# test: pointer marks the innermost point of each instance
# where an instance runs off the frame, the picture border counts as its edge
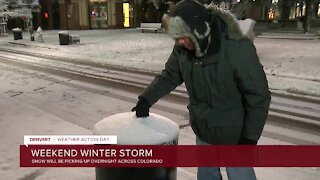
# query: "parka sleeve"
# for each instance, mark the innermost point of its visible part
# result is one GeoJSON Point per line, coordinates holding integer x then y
{"type": "Point", "coordinates": [253, 85]}
{"type": "Point", "coordinates": [167, 81]}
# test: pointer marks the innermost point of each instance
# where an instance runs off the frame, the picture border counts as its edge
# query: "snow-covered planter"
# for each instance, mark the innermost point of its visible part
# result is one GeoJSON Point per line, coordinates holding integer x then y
{"type": "Point", "coordinates": [17, 30]}
{"type": "Point", "coordinates": [130, 130]}
{"type": "Point", "coordinates": [64, 38]}
{"type": "Point", "coordinates": [17, 33]}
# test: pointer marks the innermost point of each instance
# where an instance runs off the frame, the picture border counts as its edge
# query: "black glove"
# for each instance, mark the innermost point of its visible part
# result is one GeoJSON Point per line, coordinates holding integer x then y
{"type": "Point", "coordinates": [142, 107]}
{"type": "Point", "coordinates": [245, 141]}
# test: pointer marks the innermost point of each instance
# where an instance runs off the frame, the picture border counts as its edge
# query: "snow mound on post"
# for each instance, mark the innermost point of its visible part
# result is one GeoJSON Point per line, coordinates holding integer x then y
{"type": "Point", "coordinates": [130, 130]}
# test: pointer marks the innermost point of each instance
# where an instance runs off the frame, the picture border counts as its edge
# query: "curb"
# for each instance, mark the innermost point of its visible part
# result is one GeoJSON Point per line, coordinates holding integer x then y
{"type": "Point", "coordinates": [293, 36]}
{"type": "Point", "coordinates": [289, 38]}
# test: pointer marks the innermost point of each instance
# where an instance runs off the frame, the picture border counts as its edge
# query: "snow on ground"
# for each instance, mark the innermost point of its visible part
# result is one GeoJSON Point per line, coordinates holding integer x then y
{"type": "Point", "coordinates": [27, 121]}
{"type": "Point", "coordinates": [284, 60]}
{"type": "Point", "coordinates": [72, 111]}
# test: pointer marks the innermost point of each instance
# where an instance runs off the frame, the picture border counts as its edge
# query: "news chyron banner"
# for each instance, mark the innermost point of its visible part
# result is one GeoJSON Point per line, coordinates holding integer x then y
{"type": "Point", "coordinates": [103, 151]}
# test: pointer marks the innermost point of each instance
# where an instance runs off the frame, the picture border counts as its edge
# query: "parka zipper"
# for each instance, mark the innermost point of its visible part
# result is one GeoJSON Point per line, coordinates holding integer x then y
{"type": "Point", "coordinates": [196, 65]}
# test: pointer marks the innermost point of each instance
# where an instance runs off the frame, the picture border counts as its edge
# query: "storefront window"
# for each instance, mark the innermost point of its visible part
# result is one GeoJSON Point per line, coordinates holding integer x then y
{"type": "Point", "coordinates": [99, 14]}
{"type": "Point", "coordinates": [293, 13]}
{"type": "Point", "coordinates": [273, 11]}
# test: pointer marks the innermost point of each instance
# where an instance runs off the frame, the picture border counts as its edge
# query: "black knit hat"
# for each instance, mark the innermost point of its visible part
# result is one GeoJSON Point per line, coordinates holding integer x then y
{"type": "Point", "coordinates": [190, 18]}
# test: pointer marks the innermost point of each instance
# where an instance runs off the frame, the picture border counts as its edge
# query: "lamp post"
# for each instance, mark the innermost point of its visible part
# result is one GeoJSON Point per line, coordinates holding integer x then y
{"type": "Point", "coordinates": [31, 5]}
{"type": "Point", "coordinates": [31, 29]}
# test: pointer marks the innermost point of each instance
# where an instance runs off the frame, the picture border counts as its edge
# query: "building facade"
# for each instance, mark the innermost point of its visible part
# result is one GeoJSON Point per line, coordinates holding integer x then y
{"type": "Point", "coordinates": [279, 10]}
{"type": "Point", "coordinates": [104, 14]}
{"type": "Point", "coordinates": [87, 14]}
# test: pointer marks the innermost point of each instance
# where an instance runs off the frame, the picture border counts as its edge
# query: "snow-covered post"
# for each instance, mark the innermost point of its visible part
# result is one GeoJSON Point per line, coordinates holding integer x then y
{"type": "Point", "coordinates": [39, 34]}
{"type": "Point", "coordinates": [130, 130]}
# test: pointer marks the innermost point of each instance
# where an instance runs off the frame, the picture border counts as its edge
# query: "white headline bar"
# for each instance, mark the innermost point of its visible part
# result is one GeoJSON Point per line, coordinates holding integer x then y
{"type": "Point", "coordinates": [68, 139]}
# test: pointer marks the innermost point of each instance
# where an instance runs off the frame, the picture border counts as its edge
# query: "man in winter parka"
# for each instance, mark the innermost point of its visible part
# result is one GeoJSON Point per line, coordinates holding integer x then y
{"type": "Point", "coordinates": [228, 91]}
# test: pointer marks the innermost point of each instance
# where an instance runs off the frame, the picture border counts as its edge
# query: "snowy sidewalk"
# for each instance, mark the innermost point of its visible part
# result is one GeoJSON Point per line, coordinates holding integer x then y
{"type": "Point", "coordinates": [18, 119]}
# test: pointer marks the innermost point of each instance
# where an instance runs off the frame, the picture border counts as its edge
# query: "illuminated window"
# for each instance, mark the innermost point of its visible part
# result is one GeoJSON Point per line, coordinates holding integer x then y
{"type": "Point", "coordinates": [270, 14]}
{"type": "Point", "coordinates": [126, 15]}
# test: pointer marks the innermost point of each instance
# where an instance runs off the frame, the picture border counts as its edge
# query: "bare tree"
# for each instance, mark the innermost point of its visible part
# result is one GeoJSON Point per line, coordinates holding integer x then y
{"type": "Point", "coordinates": [5, 13]}
{"type": "Point", "coordinates": [240, 10]}
{"type": "Point", "coordinates": [17, 8]}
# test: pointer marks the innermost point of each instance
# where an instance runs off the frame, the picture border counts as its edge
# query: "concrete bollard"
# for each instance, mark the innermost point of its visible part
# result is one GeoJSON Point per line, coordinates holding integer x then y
{"type": "Point", "coordinates": [130, 130]}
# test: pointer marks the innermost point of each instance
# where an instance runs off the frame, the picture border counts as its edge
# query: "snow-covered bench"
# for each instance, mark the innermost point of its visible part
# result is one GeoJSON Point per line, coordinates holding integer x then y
{"type": "Point", "coordinates": [150, 27]}
{"type": "Point", "coordinates": [3, 29]}
{"type": "Point", "coordinates": [73, 38]}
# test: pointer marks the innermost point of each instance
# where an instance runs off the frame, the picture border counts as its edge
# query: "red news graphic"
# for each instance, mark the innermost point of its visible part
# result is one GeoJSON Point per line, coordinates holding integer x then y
{"type": "Point", "coordinates": [169, 156]}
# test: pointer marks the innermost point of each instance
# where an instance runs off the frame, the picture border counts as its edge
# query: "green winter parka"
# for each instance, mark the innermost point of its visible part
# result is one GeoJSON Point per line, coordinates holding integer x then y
{"type": "Point", "coordinates": [228, 91]}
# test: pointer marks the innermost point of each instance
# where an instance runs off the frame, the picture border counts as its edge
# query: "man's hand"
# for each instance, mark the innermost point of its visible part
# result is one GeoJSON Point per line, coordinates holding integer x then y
{"type": "Point", "coordinates": [245, 141]}
{"type": "Point", "coordinates": [142, 107]}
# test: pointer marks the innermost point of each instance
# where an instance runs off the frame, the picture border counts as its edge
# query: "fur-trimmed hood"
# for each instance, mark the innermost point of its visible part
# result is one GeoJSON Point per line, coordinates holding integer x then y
{"type": "Point", "coordinates": [232, 29]}
{"type": "Point", "coordinates": [204, 25]}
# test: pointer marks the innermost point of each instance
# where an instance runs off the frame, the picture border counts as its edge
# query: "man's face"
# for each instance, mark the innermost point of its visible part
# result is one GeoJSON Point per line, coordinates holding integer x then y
{"type": "Point", "coordinates": [185, 42]}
